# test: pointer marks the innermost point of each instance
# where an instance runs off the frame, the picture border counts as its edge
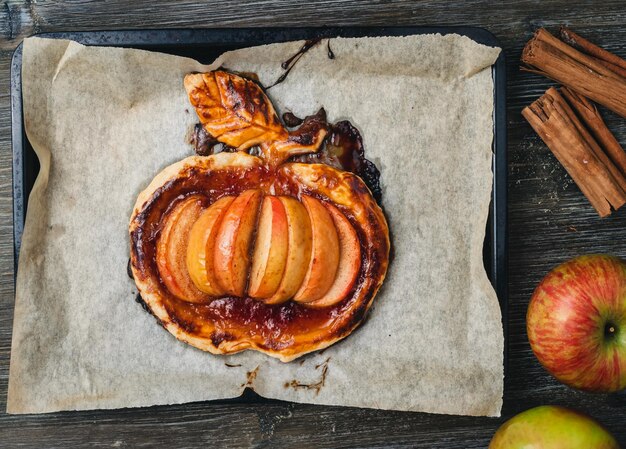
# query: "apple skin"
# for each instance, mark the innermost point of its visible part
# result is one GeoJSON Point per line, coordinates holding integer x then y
{"type": "Point", "coordinates": [552, 427]}
{"type": "Point", "coordinates": [576, 323]}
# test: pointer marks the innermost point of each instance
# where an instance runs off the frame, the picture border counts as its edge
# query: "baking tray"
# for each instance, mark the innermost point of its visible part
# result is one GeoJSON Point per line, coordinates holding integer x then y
{"type": "Point", "coordinates": [205, 45]}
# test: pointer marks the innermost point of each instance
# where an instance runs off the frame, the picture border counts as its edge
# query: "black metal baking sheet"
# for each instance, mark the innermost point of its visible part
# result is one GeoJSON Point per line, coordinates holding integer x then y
{"type": "Point", "coordinates": [205, 45]}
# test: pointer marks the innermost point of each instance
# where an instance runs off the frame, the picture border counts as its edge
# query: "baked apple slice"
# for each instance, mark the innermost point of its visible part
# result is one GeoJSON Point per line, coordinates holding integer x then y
{"type": "Point", "coordinates": [324, 253]}
{"type": "Point", "coordinates": [172, 249]}
{"type": "Point", "coordinates": [201, 247]}
{"type": "Point", "coordinates": [349, 261]}
{"type": "Point", "coordinates": [233, 241]}
{"type": "Point", "coordinates": [270, 251]}
{"type": "Point", "coordinates": [298, 250]}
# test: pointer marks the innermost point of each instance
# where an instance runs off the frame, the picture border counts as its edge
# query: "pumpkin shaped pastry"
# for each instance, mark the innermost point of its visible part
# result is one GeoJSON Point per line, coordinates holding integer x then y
{"type": "Point", "coordinates": [257, 247]}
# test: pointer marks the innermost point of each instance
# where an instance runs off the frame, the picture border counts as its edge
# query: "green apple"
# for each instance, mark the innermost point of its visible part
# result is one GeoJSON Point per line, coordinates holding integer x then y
{"type": "Point", "coordinates": [552, 427]}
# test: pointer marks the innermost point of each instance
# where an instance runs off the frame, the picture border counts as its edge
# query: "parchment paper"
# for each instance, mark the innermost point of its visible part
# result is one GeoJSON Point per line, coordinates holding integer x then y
{"type": "Point", "coordinates": [105, 121]}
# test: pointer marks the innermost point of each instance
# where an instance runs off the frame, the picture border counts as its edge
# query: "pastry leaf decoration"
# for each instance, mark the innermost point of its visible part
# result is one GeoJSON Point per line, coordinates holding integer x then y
{"type": "Point", "coordinates": [236, 112]}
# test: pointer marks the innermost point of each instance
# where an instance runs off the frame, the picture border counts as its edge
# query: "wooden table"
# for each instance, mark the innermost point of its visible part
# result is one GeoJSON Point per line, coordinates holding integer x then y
{"type": "Point", "coordinates": [549, 221]}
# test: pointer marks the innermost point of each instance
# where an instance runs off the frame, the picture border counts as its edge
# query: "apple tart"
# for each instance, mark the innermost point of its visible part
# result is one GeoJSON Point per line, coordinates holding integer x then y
{"type": "Point", "coordinates": [265, 242]}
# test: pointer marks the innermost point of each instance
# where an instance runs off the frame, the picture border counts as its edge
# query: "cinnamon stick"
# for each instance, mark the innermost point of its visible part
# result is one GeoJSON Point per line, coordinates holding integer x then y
{"type": "Point", "coordinates": [574, 147]}
{"type": "Point", "coordinates": [595, 147]}
{"type": "Point", "coordinates": [590, 48]}
{"type": "Point", "coordinates": [592, 118]}
{"type": "Point", "coordinates": [615, 68]}
{"type": "Point", "coordinates": [551, 57]}
{"type": "Point", "coordinates": [604, 57]}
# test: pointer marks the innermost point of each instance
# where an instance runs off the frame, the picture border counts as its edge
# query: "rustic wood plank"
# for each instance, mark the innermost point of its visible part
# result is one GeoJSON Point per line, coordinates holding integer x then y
{"type": "Point", "coordinates": [550, 221]}
{"type": "Point", "coordinates": [6, 229]}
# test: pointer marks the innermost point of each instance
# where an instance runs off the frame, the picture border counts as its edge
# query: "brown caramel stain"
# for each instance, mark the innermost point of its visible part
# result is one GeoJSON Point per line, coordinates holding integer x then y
{"type": "Point", "coordinates": [316, 386]}
{"type": "Point", "coordinates": [251, 377]}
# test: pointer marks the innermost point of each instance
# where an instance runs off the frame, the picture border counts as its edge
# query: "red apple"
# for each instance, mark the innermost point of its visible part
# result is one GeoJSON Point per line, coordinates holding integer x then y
{"type": "Point", "coordinates": [576, 323]}
{"type": "Point", "coordinates": [550, 427]}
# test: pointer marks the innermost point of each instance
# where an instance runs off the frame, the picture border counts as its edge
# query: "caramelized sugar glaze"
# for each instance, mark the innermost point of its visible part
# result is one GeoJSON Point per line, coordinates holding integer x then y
{"type": "Point", "coordinates": [230, 324]}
